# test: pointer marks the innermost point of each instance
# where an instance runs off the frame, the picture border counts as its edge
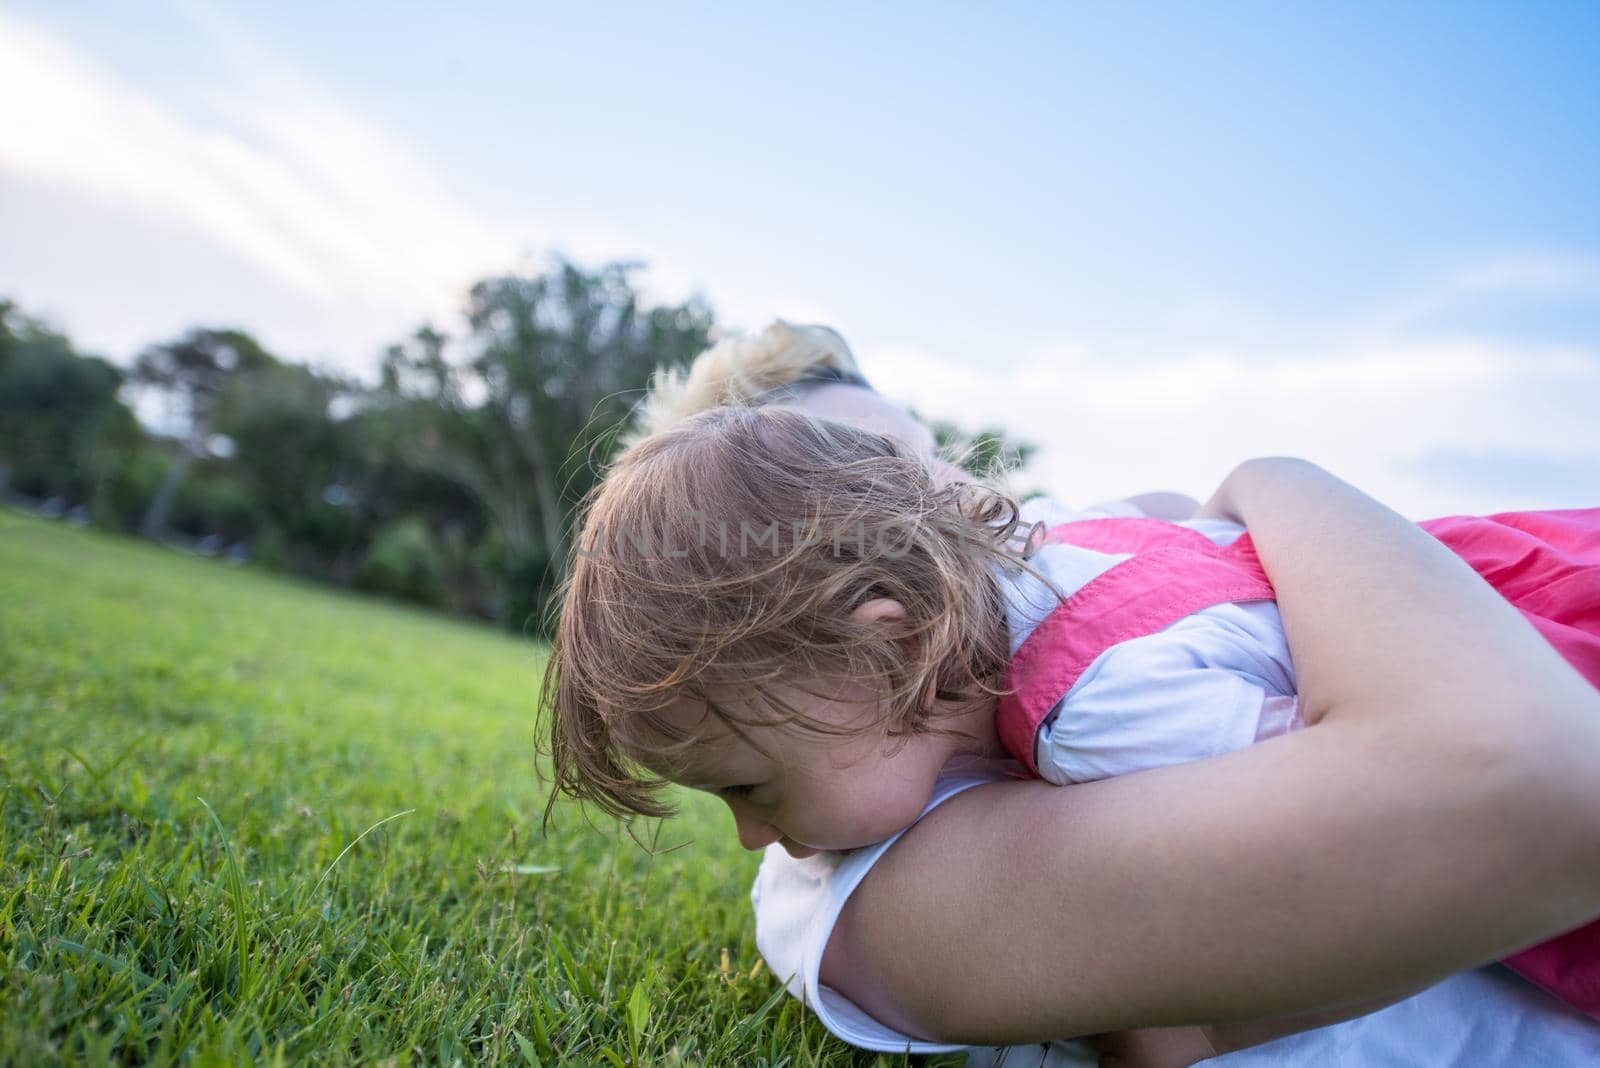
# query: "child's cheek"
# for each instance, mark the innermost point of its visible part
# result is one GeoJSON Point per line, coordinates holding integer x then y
{"type": "Point", "coordinates": [896, 805]}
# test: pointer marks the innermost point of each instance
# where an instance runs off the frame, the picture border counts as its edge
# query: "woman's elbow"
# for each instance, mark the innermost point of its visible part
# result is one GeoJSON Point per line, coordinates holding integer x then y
{"type": "Point", "coordinates": [846, 971]}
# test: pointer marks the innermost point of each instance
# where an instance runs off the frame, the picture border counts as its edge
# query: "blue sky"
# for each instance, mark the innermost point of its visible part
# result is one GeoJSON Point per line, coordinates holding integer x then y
{"type": "Point", "coordinates": [1155, 239]}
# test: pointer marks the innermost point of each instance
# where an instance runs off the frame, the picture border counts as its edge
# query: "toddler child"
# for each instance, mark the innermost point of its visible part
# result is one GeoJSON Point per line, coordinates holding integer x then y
{"type": "Point", "coordinates": [790, 613]}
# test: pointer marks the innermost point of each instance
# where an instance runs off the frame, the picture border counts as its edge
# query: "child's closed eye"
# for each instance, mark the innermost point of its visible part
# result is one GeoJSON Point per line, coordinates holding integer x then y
{"type": "Point", "coordinates": [741, 790]}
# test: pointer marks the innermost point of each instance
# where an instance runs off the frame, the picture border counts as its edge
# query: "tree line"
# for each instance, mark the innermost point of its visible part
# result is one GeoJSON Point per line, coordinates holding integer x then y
{"type": "Point", "coordinates": [450, 482]}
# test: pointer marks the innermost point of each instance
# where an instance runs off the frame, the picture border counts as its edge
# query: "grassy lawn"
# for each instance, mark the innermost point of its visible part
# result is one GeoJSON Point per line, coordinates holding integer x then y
{"type": "Point", "coordinates": [243, 819]}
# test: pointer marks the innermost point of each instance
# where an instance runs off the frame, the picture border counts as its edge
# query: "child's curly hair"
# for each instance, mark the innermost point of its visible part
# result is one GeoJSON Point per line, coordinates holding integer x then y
{"type": "Point", "coordinates": [730, 550]}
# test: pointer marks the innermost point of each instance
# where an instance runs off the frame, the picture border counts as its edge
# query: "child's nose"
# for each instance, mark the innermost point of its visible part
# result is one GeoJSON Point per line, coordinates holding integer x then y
{"type": "Point", "coordinates": [753, 833]}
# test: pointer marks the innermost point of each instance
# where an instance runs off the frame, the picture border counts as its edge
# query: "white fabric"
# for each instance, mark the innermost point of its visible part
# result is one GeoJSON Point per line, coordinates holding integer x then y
{"type": "Point", "coordinates": [1195, 689]}
{"type": "Point", "coordinates": [1191, 691]}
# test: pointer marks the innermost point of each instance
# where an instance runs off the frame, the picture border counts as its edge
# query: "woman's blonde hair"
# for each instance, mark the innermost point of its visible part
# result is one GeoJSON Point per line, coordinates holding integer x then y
{"type": "Point", "coordinates": [743, 369]}
{"type": "Point", "coordinates": [729, 551]}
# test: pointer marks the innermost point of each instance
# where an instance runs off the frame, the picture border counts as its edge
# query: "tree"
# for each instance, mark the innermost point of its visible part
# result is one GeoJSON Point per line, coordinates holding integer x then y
{"type": "Point", "coordinates": [524, 408]}
{"type": "Point", "coordinates": [64, 432]}
{"type": "Point", "coordinates": [295, 461]}
{"type": "Point", "coordinates": [986, 453]}
{"type": "Point", "coordinates": [192, 371]}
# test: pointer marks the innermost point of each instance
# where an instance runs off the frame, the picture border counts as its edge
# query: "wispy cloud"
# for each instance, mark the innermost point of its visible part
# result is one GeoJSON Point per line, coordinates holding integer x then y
{"type": "Point", "coordinates": [1380, 412]}
{"type": "Point", "coordinates": [1516, 476]}
{"type": "Point", "coordinates": [355, 224]}
{"type": "Point", "coordinates": [1535, 274]}
{"type": "Point", "coordinates": [305, 192]}
{"type": "Point", "coordinates": [1542, 280]}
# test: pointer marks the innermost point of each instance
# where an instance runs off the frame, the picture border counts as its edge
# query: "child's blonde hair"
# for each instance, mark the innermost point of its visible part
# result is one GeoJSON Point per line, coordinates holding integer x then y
{"type": "Point", "coordinates": [744, 369]}
{"type": "Point", "coordinates": [730, 550]}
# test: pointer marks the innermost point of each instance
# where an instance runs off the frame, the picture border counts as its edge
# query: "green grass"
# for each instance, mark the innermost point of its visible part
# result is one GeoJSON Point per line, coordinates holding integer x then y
{"type": "Point", "coordinates": [247, 820]}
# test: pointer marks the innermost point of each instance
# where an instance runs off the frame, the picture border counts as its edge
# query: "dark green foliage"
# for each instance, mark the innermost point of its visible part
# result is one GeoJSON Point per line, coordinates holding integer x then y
{"type": "Point", "coordinates": [217, 506]}
{"type": "Point", "coordinates": [524, 407]}
{"type": "Point", "coordinates": [404, 562]}
{"type": "Point", "coordinates": [987, 453]}
{"type": "Point", "coordinates": [450, 483]}
{"type": "Point", "coordinates": [193, 372]}
{"type": "Point", "coordinates": [63, 431]}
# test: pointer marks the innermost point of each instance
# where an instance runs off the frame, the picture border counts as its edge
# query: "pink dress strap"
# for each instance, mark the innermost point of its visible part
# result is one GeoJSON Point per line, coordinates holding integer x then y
{"type": "Point", "coordinates": [1171, 576]}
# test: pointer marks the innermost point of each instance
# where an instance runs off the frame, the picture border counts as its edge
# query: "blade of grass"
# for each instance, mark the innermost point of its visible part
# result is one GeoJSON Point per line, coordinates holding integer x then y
{"type": "Point", "coordinates": [355, 842]}
{"type": "Point", "coordinates": [236, 887]}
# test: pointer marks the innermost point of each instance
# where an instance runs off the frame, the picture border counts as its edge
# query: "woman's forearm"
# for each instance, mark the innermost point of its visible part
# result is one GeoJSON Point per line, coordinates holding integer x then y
{"type": "Point", "coordinates": [1180, 1047]}
{"type": "Point", "coordinates": [1442, 814]}
{"type": "Point", "coordinates": [1375, 609]}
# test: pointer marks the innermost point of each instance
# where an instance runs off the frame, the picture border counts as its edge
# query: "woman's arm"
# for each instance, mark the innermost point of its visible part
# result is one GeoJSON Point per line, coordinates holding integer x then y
{"type": "Point", "coordinates": [1443, 813]}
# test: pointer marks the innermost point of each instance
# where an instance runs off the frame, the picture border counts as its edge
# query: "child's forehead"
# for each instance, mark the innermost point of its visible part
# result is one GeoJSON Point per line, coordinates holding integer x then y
{"type": "Point", "coordinates": [727, 726]}
{"type": "Point", "coordinates": [686, 733]}
{"type": "Point", "coordinates": [707, 762]}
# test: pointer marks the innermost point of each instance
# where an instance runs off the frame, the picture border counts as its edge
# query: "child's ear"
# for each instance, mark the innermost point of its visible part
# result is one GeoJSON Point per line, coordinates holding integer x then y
{"type": "Point", "coordinates": [879, 610]}
{"type": "Point", "coordinates": [890, 611]}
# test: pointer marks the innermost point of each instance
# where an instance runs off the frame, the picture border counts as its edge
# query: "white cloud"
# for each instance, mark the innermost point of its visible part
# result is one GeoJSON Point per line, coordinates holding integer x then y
{"type": "Point", "coordinates": [1526, 278]}
{"type": "Point", "coordinates": [310, 196]}
{"type": "Point", "coordinates": [1540, 274]}
{"type": "Point", "coordinates": [1372, 414]}
{"type": "Point", "coordinates": [353, 226]}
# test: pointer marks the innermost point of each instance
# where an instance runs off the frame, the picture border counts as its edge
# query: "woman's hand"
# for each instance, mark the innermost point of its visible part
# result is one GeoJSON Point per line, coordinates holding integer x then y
{"type": "Point", "coordinates": [1179, 1047]}
{"type": "Point", "coordinates": [1355, 860]}
{"type": "Point", "coordinates": [1153, 1047]}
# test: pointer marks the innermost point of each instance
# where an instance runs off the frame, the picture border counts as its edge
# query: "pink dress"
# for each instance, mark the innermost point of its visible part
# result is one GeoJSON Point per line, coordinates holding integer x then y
{"type": "Point", "coordinates": [1547, 564]}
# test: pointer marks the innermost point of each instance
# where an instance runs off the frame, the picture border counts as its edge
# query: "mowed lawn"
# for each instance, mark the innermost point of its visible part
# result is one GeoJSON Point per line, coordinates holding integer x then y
{"type": "Point", "coordinates": [243, 819]}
